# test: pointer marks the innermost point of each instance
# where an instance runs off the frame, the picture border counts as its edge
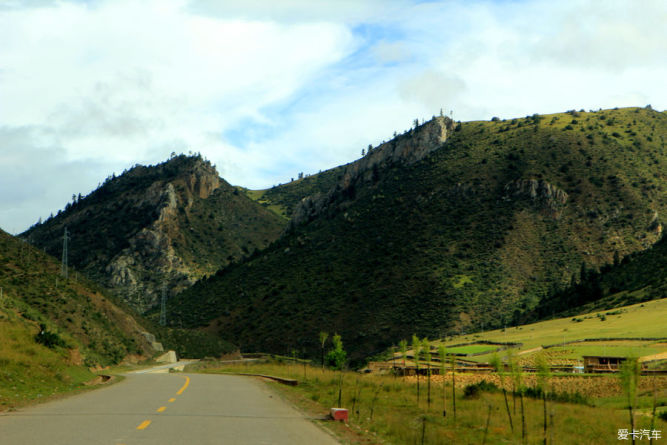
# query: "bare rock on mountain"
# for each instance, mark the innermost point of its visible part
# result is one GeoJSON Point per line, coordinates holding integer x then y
{"type": "Point", "coordinates": [546, 195]}
{"type": "Point", "coordinates": [405, 149]}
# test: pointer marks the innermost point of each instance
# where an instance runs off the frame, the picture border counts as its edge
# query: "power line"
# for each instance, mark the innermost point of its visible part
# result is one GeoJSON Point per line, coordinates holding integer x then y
{"type": "Point", "coordinates": [64, 270]}
{"type": "Point", "coordinates": [163, 307]}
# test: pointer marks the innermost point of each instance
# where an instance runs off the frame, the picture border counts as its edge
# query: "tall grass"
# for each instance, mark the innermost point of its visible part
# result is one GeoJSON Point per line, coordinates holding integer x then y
{"type": "Point", "coordinates": [31, 371]}
{"type": "Point", "coordinates": [629, 375]}
{"type": "Point", "coordinates": [387, 406]}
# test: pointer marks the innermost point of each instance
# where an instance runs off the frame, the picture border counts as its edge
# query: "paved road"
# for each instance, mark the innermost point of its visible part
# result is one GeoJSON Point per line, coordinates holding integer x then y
{"type": "Point", "coordinates": [165, 409]}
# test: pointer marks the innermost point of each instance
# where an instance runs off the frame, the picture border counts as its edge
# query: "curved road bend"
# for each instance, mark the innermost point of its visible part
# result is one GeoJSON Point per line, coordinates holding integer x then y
{"type": "Point", "coordinates": [165, 409]}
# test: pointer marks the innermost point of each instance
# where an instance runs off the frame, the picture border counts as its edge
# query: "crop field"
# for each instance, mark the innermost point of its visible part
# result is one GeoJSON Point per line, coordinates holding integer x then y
{"type": "Point", "coordinates": [611, 349]}
{"type": "Point", "coordinates": [591, 387]}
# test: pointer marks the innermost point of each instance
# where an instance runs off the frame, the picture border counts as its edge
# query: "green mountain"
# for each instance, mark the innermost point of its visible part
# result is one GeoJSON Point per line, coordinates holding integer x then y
{"type": "Point", "coordinates": [155, 227]}
{"type": "Point", "coordinates": [447, 228]}
{"type": "Point", "coordinates": [52, 329]}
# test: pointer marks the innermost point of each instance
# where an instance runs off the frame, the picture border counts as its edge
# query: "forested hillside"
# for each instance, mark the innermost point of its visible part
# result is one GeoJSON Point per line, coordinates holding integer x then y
{"type": "Point", "coordinates": [470, 234]}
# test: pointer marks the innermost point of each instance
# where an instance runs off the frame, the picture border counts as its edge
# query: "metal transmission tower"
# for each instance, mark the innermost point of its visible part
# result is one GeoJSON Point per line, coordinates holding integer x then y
{"type": "Point", "coordinates": [163, 307]}
{"type": "Point", "coordinates": [66, 237]}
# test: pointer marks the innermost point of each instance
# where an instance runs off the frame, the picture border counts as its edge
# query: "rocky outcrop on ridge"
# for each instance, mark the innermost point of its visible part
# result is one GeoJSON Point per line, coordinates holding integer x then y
{"type": "Point", "coordinates": [404, 149]}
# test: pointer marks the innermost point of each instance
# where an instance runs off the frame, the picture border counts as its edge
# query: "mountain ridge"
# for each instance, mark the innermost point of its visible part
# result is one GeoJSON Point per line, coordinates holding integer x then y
{"type": "Point", "coordinates": [475, 233]}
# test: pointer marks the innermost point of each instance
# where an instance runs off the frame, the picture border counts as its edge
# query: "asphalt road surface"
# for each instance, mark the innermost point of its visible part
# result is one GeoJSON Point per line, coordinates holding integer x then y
{"type": "Point", "coordinates": [147, 409]}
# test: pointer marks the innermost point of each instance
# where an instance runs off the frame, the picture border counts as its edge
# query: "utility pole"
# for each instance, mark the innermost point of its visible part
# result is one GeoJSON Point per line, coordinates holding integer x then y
{"type": "Point", "coordinates": [64, 260]}
{"type": "Point", "coordinates": [163, 307]}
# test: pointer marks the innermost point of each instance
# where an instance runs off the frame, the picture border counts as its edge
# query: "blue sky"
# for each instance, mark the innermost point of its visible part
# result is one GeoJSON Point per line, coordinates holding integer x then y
{"type": "Point", "coordinates": [266, 90]}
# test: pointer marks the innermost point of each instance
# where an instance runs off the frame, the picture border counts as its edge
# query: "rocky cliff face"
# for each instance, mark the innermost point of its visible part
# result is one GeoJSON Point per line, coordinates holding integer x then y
{"type": "Point", "coordinates": [150, 264]}
{"type": "Point", "coordinates": [159, 228]}
{"type": "Point", "coordinates": [545, 195]}
{"type": "Point", "coordinates": [404, 149]}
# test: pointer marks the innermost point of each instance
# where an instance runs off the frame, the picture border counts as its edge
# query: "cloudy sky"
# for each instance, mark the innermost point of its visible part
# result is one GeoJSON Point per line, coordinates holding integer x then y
{"type": "Point", "coordinates": [267, 89]}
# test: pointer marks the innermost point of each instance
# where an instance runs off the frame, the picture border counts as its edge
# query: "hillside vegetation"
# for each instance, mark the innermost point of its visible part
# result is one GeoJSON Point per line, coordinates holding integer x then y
{"type": "Point", "coordinates": [52, 329]}
{"type": "Point", "coordinates": [158, 227]}
{"type": "Point", "coordinates": [637, 277]}
{"type": "Point", "coordinates": [473, 233]}
{"type": "Point", "coordinates": [284, 198]}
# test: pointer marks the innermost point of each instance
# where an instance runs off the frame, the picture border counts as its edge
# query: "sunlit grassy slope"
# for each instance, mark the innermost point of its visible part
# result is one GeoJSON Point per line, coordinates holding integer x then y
{"type": "Point", "coordinates": [644, 320]}
{"type": "Point", "coordinates": [84, 328]}
{"type": "Point", "coordinates": [31, 371]}
{"type": "Point", "coordinates": [282, 199]}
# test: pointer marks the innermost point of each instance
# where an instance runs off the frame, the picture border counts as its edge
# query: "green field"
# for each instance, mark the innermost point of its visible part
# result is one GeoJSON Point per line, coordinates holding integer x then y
{"type": "Point", "coordinates": [471, 349]}
{"type": "Point", "coordinates": [385, 408]}
{"type": "Point", "coordinates": [610, 349]}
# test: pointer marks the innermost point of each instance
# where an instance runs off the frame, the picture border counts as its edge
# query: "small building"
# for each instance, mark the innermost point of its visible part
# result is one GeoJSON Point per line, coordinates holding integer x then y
{"type": "Point", "coordinates": [597, 363]}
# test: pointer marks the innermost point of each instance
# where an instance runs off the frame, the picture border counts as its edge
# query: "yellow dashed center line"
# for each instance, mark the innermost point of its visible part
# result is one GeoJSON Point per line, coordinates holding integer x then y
{"type": "Point", "coordinates": [187, 382]}
{"type": "Point", "coordinates": [144, 424]}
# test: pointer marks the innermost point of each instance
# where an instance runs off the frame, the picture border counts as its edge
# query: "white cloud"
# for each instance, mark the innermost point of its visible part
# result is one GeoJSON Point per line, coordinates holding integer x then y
{"type": "Point", "coordinates": [268, 89]}
{"type": "Point", "coordinates": [391, 52]}
{"type": "Point", "coordinates": [297, 11]}
{"type": "Point", "coordinates": [432, 88]}
{"type": "Point", "coordinates": [126, 82]}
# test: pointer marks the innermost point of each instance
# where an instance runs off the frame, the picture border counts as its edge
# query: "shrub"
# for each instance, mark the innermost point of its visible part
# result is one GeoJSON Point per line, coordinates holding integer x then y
{"type": "Point", "coordinates": [565, 397]}
{"type": "Point", "coordinates": [474, 390]}
{"type": "Point", "coordinates": [48, 338]}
